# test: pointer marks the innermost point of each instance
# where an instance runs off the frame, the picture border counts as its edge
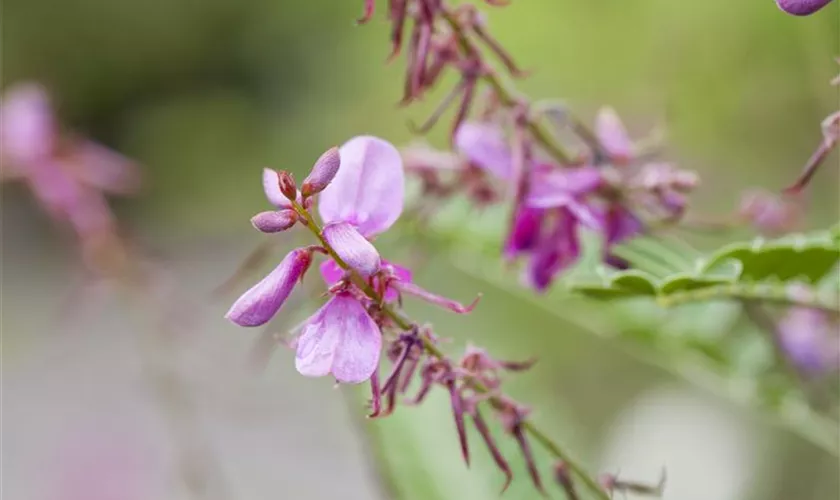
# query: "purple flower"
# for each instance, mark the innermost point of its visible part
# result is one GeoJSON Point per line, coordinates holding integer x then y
{"type": "Point", "coordinates": [340, 338]}
{"type": "Point", "coordinates": [525, 232]}
{"type": "Point", "coordinates": [801, 7]}
{"type": "Point", "coordinates": [557, 249]}
{"type": "Point", "coordinates": [620, 224]}
{"type": "Point", "coordinates": [259, 304]}
{"type": "Point", "coordinates": [810, 339]}
{"type": "Point", "coordinates": [485, 146]}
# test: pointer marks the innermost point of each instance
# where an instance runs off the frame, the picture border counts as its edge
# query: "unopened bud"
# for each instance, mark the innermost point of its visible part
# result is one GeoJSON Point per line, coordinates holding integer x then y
{"type": "Point", "coordinates": [287, 185]}
{"type": "Point", "coordinates": [322, 173]}
{"type": "Point", "coordinates": [274, 221]}
{"type": "Point", "coordinates": [801, 7]}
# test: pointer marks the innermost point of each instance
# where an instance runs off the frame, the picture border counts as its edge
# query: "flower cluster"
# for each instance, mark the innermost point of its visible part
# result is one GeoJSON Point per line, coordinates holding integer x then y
{"type": "Point", "coordinates": [605, 193]}
{"type": "Point", "coordinates": [68, 175]}
{"type": "Point", "coordinates": [358, 190]}
{"type": "Point", "coordinates": [561, 176]}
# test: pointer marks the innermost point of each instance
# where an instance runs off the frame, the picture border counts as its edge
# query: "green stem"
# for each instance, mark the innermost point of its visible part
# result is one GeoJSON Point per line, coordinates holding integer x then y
{"type": "Point", "coordinates": [760, 292]}
{"type": "Point", "coordinates": [433, 350]}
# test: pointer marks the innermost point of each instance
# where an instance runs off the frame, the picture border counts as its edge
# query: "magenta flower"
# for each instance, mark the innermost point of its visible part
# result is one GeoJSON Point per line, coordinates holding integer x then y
{"type": "Point", "coordinates": [801, 7]}
{"type": "Point", "coordinates": [620, 224]}
{"type": "Point", "coordinates": [339, 339]}
{"type": "Point", "coordinates": [557, 249]}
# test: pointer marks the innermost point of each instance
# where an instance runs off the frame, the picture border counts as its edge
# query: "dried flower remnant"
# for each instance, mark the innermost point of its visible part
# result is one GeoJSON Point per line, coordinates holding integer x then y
{"type": "Point", "coordinates": [771, 214]}
{"type": "Point", "coordinates": [831, 136]}
{"type": "Point", "coordinates": [612, 484]}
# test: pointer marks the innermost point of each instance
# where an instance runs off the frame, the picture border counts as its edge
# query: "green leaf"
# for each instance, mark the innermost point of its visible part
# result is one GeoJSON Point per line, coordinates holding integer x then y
{"type": "Point", "coordinates": [760, 269]}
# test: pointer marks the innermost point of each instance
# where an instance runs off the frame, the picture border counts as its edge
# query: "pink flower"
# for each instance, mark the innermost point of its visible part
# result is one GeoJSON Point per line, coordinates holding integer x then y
{"type": "Point", "coordinates": [484, 145]}
{"type": "Point", "coordinates": [339, 339]}
{"type": "Point", "coordinates": [360, 187]}
{"type": "Point", "coordinates": [67, 175]}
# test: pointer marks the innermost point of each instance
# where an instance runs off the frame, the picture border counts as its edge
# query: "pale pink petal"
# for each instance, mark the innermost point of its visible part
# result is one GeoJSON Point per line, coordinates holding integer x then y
{"type": "Point", "coordinates": [259, 304]}
{"type": "Point", "coordinates": [368, 190]}
{"type": "Point", "coordinates": [340, 338]}
{"type": "Point", "coordinates": [485, 145]}
{"type": "Point", "coordinates": [271, 186]}
{"type": "Point", "coordinates": [27, 125]}
{"type": "Point", "coordinates": [353, 248]}
{"type": "Point", "coordinates": [612, 134]}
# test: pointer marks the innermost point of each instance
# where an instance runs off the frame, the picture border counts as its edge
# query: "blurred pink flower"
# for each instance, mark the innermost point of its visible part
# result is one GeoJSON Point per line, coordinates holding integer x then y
{"type": "Point", "coordinates": [67, 175]}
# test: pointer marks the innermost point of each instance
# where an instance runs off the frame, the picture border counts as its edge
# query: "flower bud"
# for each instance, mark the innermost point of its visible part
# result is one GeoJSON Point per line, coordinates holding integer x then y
{"type": "Point", "coordinates": [287, 185]}
{"type": "Point", "coordinates": [801, 7]}
{"type": "Point", "coordinates": [322, 173]}
{"type": "Point", "coordinates": [274, 221]}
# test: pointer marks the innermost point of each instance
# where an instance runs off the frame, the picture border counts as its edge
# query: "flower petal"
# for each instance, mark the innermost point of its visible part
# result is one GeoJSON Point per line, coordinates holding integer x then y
{"type": "Point", "coordinates": [361, 344]}
{"type": "Point", "coordinates": [525, 231]}
{"type": "Point", "coordinates": [557, 251]}
{"type": "Point", "coordinates": [331, 272]}
{"type": "Point", "coordinates": [259, 304]}
{"type": "Point", "coordinates": [369, 188]}
{"type": "Point", "coordinates": [398, 273]}
{"type": "Point", "coordinates": [485, 145]}
{"type": "Point", "coordinates": [612, 134]}
{"type": "Point", "coordinates": [349, 244]}
{"type": "Point", "coordinates": [27, 125]}
{"type": "Point", "coordinates": [342, 339]}
{"type": "Point", "coordinates": [103, 168]}
{"type": "Point", "coordinates": [271, 186]}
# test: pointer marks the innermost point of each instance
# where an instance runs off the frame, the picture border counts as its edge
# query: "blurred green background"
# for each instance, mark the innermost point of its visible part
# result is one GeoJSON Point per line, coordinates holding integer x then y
{"type": "Point", "coordinates": [205, 94]}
